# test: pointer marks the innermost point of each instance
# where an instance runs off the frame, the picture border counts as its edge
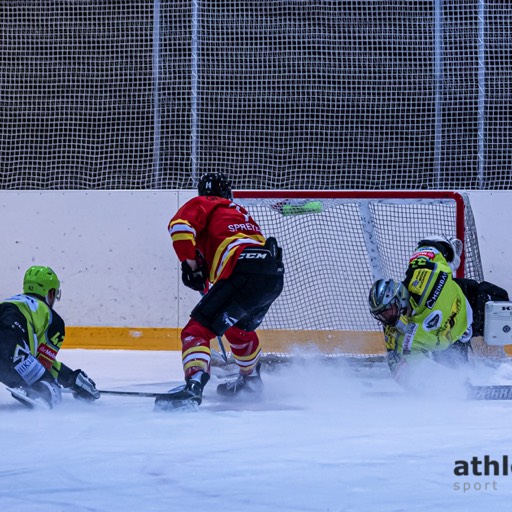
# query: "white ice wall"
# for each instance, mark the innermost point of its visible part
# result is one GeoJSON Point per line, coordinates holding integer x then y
{"type": "Point", "coordinates": [111, 250]}
{"type": "Point", "coordinates": [493, 217]}
{"type": "Point", "coordinates": [113, 254]}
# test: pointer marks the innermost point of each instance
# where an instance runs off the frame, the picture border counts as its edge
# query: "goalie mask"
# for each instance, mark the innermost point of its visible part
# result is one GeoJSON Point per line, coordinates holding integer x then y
{"type": "Point", "coordinates": [449, 246]}
{"type": "Point", "coordinates": [214, 184]}
{"type": "Point", "coordinates": [388, 301]}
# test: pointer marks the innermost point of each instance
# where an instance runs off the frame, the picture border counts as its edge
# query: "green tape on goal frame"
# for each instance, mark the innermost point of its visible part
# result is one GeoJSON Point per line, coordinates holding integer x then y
{"type": "Point", "coordinates": [309, 207]}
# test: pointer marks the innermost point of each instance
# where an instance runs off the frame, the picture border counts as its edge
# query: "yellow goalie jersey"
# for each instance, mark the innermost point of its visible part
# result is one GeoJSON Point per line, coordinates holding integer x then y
{"type": "Point", "coordinates": [440, 313]}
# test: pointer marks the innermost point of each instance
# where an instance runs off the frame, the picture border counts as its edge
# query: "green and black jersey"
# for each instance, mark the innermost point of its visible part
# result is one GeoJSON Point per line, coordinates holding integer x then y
{"type": "Point", "coordinates": [43, 328]}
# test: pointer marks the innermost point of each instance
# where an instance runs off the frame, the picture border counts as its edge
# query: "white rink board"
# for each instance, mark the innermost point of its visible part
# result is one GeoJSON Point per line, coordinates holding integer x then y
{"type": "Point", "coordinates": [113, 253]}
{"type": "Point", "coordinates": [111, 250]}
{"type": "Point", "coordinates": [493, 217]}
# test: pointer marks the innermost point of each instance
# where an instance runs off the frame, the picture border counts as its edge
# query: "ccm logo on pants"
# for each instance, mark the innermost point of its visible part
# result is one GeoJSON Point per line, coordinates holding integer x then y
{"type": "Point", "coordinates": [253, 256]}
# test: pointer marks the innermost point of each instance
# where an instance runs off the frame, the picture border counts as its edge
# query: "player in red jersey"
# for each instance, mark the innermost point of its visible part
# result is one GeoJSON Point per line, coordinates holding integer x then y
{"type": "Point", "coordinates": [223, 254]}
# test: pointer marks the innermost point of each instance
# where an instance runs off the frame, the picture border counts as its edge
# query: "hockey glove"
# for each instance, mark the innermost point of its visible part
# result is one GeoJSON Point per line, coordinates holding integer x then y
{"type": "Point", "coordinates": [83, 387]}
{"type": "Point", "coordinates": [194, 279]}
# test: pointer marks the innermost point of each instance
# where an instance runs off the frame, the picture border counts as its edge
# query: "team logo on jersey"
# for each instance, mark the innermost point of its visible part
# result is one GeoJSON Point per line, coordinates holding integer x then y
{"type": "Point", "coordinates": [409, 336]}
{"type": "Point", "coordinates": [21, 353]}
{"type": "Point", "coordinates": [419, 281]}
{"type": "Point", "coordinates": [433, 321]}
{"type": "Point", "coordinates": [437, 289]}
{"type": "Point", "coordinates": [47, 352]}
{"type": "Point", "coordinates": [446, 328]}
{"type": "Point", "coordinates": [423, 254]}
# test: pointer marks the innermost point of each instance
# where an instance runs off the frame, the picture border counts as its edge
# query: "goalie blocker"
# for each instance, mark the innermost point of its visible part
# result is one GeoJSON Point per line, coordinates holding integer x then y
{"type": "Point", "coordinates": [481, 296]}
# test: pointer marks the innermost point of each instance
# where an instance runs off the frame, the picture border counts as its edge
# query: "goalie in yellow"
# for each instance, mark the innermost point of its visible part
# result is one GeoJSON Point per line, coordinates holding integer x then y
{"type": "Point", "coordinates": [430, 315]}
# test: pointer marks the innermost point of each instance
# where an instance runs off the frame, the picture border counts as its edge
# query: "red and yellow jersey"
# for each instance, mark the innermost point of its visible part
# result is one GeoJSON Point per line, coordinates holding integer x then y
{"type": "Point", "coordinates": [216, 227]}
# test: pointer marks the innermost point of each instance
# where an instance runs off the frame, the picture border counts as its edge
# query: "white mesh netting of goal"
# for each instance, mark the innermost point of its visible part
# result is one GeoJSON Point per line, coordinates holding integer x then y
{"type": "Point", "coordinates": [335, 244]}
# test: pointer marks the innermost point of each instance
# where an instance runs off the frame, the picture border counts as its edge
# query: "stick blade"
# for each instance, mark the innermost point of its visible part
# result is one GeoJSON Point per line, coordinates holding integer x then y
{"type": "Point", "coordinates": [490, 393]}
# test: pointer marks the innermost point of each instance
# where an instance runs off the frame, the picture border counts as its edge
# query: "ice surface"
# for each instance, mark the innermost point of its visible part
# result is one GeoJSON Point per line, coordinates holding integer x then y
{"type": "Point", "coordinates": [322, 438]}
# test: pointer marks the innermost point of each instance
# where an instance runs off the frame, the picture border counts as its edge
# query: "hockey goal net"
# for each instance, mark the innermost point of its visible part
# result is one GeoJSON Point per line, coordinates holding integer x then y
{"type": "Point", "coordinates": [335, 244]}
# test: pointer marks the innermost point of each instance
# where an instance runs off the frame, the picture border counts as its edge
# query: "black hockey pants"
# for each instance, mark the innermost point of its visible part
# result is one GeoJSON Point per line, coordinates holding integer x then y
{"type": "Point", "coordinates": [243, 299]}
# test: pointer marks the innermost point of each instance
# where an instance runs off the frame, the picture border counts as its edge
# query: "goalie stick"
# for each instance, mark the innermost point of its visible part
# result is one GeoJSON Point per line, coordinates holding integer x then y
{"type": "Point", "coordinates": [498, 392]}
{"type": "Point", "coordinates": [502, 392]}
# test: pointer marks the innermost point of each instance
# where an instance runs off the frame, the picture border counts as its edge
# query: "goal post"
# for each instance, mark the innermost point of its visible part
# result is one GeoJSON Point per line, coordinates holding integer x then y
{"type": "Point", "coordinates": [336, 244]}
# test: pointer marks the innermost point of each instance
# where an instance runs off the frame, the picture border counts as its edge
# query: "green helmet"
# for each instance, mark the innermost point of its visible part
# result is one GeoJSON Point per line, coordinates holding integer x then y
{"type": "Point", "coordinates": [40, 280]}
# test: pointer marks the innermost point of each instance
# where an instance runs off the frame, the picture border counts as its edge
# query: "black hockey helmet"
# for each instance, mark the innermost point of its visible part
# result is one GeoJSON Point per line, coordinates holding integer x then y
{"type": "Point", "coordinates": [214, 184]}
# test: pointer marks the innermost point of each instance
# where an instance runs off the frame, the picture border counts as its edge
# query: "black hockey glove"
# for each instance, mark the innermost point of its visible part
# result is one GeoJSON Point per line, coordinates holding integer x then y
{"type": "Point", "coordinates": [194, 279]}
{"type": "Point", "coordinates": [83, 387]}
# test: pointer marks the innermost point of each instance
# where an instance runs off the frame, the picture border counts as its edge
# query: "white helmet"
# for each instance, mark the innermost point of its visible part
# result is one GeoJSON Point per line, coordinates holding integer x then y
{"type": "Point", "coordinates": [449, 246]}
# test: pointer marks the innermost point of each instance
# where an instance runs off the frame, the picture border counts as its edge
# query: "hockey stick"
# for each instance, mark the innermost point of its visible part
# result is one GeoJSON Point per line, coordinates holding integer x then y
{"type": "Point", "coordinates": [502, 392]}
{"type": "Point", "coordinates": [219, 340]}
{"type": "Point", "coordinates": [146, 394]}
{"type": "Point", "coordinates": [222, 349]}
{"type": "Point", "coordinates": [499, 392]}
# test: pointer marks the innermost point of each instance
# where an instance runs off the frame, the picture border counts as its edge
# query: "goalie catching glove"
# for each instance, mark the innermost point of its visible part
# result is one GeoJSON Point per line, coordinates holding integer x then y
{"type": "Point", "coordinates": [81, 385]}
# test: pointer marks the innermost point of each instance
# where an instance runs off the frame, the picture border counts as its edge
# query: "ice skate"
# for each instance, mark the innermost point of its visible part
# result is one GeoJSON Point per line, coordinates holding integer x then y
{"type": "Point", "coordinates": [186, 396]}
{"type": "Point", "coordinates": [251, 384]}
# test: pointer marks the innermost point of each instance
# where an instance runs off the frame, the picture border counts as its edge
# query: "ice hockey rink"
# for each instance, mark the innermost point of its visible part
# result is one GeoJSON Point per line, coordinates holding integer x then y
{"type": "Point", "coordinates": [324, 437]}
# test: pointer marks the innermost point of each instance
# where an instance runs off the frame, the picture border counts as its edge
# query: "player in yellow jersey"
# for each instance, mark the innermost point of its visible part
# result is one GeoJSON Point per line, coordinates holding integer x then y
{"type": "Point", "coordinates": [430, 314]}
{"type": "Point", "coordinates": [31, 334]}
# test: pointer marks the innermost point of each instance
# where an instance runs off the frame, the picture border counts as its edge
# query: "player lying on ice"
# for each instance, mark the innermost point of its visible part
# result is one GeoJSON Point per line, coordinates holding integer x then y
{"type": "Point", "coordinates": [31, 334]}
{"type": "Point", "coordinates": [223, 253]}
{"type": "Point", "coordinates": [430, 317]}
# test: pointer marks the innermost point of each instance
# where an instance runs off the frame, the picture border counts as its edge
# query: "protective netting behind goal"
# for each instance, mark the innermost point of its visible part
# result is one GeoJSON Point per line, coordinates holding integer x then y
{"type": "Point", "coordinates": [335, 246]}
{"type": "Point", "coordinates": [279, 94]}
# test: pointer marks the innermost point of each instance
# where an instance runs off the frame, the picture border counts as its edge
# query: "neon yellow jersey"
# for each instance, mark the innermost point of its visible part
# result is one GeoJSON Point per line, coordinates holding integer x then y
{"type": "Point", "coordinates": [441, 314]}
{"type": "Point", "coordinates": [45, 330]}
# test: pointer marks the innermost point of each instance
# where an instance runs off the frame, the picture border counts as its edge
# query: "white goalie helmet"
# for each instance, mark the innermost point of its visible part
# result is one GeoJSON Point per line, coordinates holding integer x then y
{"type": "Point", "coordinates": [449, 246]}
